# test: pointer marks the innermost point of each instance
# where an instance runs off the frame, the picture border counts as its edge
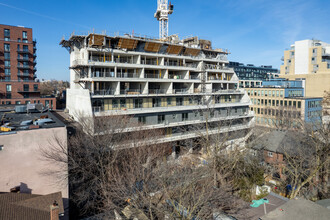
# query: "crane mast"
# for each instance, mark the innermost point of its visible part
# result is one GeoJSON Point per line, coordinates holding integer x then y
{"type": "Point", "coordinates": [163, 10]}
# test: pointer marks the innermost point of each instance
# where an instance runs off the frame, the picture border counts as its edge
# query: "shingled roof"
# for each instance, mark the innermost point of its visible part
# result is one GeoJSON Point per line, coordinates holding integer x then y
{"type": "Point", "coordinates": [20, 206]}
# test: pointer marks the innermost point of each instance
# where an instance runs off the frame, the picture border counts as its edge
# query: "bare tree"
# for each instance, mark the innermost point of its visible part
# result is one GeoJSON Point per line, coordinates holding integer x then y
{"type": "Point", "coordinates": [115, 167]}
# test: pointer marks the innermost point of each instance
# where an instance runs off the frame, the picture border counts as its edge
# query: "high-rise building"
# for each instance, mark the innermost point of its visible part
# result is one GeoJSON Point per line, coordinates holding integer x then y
{"type": "Point", "coordinates": [18, 84]}
{"type": "Point", "coordinates": [282, 103]}
{"type": "Point", "coordinates": [308, 60]}
{"type": "Point", "coordinates": [164, 84]}
{"type": "Point", "coordinates": [250, 75]}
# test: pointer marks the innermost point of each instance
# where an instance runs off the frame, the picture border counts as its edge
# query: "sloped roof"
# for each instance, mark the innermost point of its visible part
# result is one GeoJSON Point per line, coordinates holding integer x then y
{"type": "Point", "coordinates": [301, 209]}
{"type": "Point", "coordinates": [19, 206]}
{"type": "Point", "coordinates": [276, 141]}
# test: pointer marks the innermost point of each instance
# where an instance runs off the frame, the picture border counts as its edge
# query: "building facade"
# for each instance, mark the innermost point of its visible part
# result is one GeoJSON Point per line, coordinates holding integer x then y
{"type": "Point", "coordinates": [167, 85]}
{"type": "Point", "coordinates": [18, 84]}
{"type": "Point", "coordinates": [308, 60]}
{"type": "Point", "coordinates": [281, 103]}
{"type": "Point", "coordinates": [252, 76]}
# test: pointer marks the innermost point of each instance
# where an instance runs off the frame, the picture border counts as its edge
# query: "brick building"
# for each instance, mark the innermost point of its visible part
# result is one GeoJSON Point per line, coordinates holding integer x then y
{"type": "Point", "coordinates": [18, 84]}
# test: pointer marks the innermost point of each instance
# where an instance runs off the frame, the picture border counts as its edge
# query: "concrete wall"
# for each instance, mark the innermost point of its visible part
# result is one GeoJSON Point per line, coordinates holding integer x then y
{"type": "Point", "coordinates": [78, 102]}
{"type": "Point", "coordinates": [23, 165]}
{"type": "Point", "coordinates": [302, 56]}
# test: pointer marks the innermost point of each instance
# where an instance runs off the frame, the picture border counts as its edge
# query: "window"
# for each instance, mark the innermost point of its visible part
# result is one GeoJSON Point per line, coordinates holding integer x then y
{"type": "Point", "coordinates": [138, 103]}
{"type": "Point", "coordinates": [7, 63]}
{"type": "Point", "coordinates": [114, 103]}
{"type": "Point", "coordinates": [6, 32]}
{"type": "Point", "coordinates": [25, 48]}
{"type": "Point", "coordinates": [184, 116]}
{"type": "Point", "coordinates": [270, 154]}
{"type": "Point", "coordinates": [26, 88]}
{"type": "Point", "coordinates": [122, 101]}
{"type": "Point", "coordinates": [8, 88]}
{"type": "Point", "coordinates": [24, 35]}
{"type": "Point", "coordinates": [281, 93]}
{"type": "Point", "coordinates": [7, 55]}
{"type": "Point", "coordinates": [179, 101]}
{"type": "Point", "coordinates": [8, 102]}
{"type": "Point", "coordinates": [7, 39]}
{"type": "Point", "coordinates": [142, 119]}
{"type": "Point", "coordinates": [18, 39]}
{"type": "Point", "coordinates": [169, 101]}
{"type": "Point", "coordinates": [26, 95]}
{"type": "Point", "coordinates": [161, 119]}
{"type": "Point", "coordinates": [174, 116]}
{"type": "Point", "coordinates": [7, 72]}
{"type": "Point", "coordinates": [190, 100]}
{"type": "Point", "coordinates": [156, 102]}
{"type": "Point", "coordinates": [7, 47]}
{"type": "Point", "coordinates": [299, 104]}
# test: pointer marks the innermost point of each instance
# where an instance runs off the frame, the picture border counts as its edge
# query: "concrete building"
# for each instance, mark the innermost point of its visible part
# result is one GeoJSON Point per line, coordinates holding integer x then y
{"type": "Point", "coordinates": [278, 101]}
{"type": "Point", "coordinates": [23, 137]}
{"type": "Point", "coordinates": [308, 60]}
{"type": "Point", "coordinates": [166, 84]}
{"type": "Point", "coordinates": [252, 76]}
{"type": "Point", "coordinates": [18, 84]}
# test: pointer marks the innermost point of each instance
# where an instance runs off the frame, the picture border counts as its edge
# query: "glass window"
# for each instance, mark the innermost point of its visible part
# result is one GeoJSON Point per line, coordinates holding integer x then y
{"type": "Point", "coordinates": [169, 101]}
{"type": "Point", "coordinates": [114, 103]}
{"type": "Point", "coordinates": [161, 119]}
{"type": "Point", "coordinates": [26, 88]}
{"type": "Point", "coordinates": [122, 101]}
{"type": "Point", "coordinates": [6, 32]}
{"type": "Point", "coordinates": [8, 88]}
{"type": "Point", "coordinates": [24, 35]}
{"type": "Point", "coordinates": [7, 47]}
{"type": "Point", "coordinates": [281, 93]}
{"type": "Point", "coordinates": [138, 103]}
{"type": "Point", "coordinates": [7, 55]}
{"type": "Point", "coordinates": [184, 116]}
{"type": "Point", "coordinates": [25, 48]}
{"type": "Point", "coordinates": [179, 101]}
{"type": "Point", "coordinates": [7, 72]}
{"type": "Point", "coordinates": [142, 119]}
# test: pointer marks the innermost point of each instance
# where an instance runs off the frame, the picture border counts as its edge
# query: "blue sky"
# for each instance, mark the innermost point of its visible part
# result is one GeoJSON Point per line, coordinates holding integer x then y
{"type": "Point", "coordinates": [255, 31]}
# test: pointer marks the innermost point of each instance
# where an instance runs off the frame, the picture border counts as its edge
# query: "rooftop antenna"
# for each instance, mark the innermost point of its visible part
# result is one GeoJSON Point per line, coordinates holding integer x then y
{"type": "Point", "coordinates": [163, 10]}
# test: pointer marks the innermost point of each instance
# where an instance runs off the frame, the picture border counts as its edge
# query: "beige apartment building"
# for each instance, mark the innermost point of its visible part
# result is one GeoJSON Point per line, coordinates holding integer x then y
{"type": "Point", "coordinates": [308, 60]}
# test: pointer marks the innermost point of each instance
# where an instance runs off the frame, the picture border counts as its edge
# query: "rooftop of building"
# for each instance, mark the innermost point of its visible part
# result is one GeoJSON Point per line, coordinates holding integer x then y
{"type": "Point", "coordinates": [238, 64]}
{"type": "Point", "coordinates": [21, 206]}
{"type": "Point", "coordinates": [298, 209]}
{"type": "Point", "coordinates": [192, 45]}
{"type": "Point", "coordinates": [13, 120]}
{"type": "Point", "coordinates": [16, 26]}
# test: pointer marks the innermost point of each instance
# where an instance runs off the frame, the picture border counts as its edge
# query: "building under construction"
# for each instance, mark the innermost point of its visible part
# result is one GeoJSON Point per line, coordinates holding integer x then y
{"type": "Point", "coordinates": [167, 84]}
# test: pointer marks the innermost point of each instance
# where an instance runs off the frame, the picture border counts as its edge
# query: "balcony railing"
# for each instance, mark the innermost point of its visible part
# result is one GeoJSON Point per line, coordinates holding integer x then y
{"type": "Point", "coordinates": [127, 75]}
{"type": "Point", "coordinates": [103, 74]}
{"type": "Point", "coordinates": [172, 63]}
{"type": "Point", "coordinates": [175, 76]}
{"type": "Point", "coordinates": [124, 60]}
{"type": "Point", "coordinates": [157, 91]}
{"type": "Point", "coordinates": [154, 76]}
{"type": "Point", "coordinates": [180, 91]}
{"type": "Point", "coordinates": [149, 62]}
{"type": "Point", "coordinates": [104, 92]}
{"type": "Point", "coordinates": [23, 66]}
{"type": "Point", "coordinates": [23, 51]}
{"type": "Point", "coordinates": [23, 59]}
{"type": "Point", "coordinates": [130, 92]}
{"type": "Point", "coordinates": [191, 65]}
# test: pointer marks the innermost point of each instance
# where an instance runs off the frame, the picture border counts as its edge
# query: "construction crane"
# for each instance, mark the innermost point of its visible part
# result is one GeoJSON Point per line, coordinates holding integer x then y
{"type": "Point", "coordinates": [163, 10]}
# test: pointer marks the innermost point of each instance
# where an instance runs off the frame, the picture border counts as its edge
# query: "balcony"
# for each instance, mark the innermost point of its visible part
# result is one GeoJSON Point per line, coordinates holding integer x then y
{"type": "Point", "coordinates": [130, 92]}
{"type": "Point", "coordinates": [27, 91]}
{"type": "Point", "coordinates": [23, 74]}
{"type": "Point", "coordinates": [23, 66]}
{"type": "Point", "coordinates": [128, 75]}
{"type": "Point", "coordinates": [124, 60]}
{"type": "Point", "coordinates": [154, 76]}
{"type": "Point", "coordinates": [149, 62]}
{"type": "Point", "coordinates": [172, 63]}
{"type": "Point", "coordinates": [23, 51]}
{"type": "Point", "coordinates": [194, 77]}
{"type": "Point", "coordinates": [157, 91]}
{"type": "Point", "coordinates": [104, 92]}
{"type": "Point", "coordinates": [180, 91]}
{"type": "Point", "coordinates": [23, 59]}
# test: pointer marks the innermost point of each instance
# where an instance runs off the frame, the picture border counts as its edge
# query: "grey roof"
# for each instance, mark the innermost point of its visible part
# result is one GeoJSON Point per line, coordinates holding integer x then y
{"type": "Point", "coordinates": [301, 209]}
{"type": "Point", "coordinates": [325, 203]}
{"type": "Point", "coordinates": [15, 119]}
{"type": "Point", "coordinates": [276, 141]}
{"type": "Point", "coordinates": [275, 201]}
